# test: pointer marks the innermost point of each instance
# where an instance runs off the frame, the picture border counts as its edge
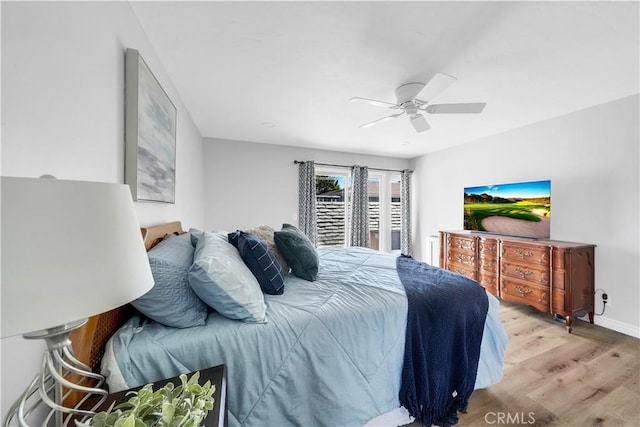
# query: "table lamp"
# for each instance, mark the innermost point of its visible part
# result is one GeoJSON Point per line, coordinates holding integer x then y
{"type": "Point", "coordinates": [70, 250]}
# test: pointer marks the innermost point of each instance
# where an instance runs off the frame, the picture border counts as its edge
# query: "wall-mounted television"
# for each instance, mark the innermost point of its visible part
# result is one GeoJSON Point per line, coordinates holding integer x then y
{"type": "Point", "coordinates": [517, 209]}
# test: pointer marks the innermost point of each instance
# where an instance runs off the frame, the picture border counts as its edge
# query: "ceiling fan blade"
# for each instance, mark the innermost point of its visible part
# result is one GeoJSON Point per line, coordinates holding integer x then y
{"type": "Point", "coordinates": [419, 122]}
{"type": "Point", "coordinates": [374, 102]}
{"type": "Point", "coordinates": [475, 107]}
{"type": "Point", "coordinates": [393, 116]}
{"type": "Point", "coordinates": [437, 84]}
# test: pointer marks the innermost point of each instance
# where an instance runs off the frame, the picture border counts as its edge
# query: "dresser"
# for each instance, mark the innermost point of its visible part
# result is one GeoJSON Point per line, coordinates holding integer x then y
{"type": "Point", "coordinates": [552, 276]}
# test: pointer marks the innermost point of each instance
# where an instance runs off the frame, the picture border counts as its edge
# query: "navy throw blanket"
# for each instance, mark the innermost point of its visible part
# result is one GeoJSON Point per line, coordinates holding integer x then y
{"type": "Point", "coordinates": [445, 323]}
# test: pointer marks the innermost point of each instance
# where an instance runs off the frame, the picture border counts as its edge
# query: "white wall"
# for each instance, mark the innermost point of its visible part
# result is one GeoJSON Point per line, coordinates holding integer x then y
{"type": "Point", "coordinates": [249, 184]}
{"type": "Point", "coordinates": [63, 114]}
{"type": "Point", "coordinates": [592, 159]}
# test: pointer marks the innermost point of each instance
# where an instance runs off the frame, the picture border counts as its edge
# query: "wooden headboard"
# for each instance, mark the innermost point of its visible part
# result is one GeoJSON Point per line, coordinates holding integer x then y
{"type": "Point", "coordinates": [90, 340]}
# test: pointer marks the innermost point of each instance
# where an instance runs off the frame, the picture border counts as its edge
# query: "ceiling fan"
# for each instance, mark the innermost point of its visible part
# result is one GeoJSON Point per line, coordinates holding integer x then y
{"type": "Point", "coordinates": [413, 98]}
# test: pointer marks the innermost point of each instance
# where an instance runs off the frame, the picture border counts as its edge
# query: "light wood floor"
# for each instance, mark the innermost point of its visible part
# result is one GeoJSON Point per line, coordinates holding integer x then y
{"type": "Point", "coordinates": [553, 378]}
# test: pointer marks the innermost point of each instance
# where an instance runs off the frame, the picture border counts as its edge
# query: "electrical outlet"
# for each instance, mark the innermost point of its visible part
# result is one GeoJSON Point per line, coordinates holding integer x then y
{"type": "Point", "coordinates": [605, 299]}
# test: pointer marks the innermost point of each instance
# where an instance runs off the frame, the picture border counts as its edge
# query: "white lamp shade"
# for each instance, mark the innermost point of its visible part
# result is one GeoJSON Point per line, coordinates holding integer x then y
{"type": "Point", "coordinates": [70, 250]}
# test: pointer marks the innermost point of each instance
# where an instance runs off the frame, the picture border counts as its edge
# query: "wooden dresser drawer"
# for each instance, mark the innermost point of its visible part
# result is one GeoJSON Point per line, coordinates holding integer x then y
{"type": "Point", "coordinates": [489, 282]}
{"type": "Point", "coordinates": [462, 243]}
{"type": "Point", "coordinates": [488, 264]}
{"type": "Point", "coordinates": [463, 270]}
{"type": "Point", "coordinates": [537, 275]}
{"type": "Point", "coordinates": [488, 248]}
{"type": "Point", "coordinates": [462, 258]}
{"type": "Point", "coordinates": [460, 255]}
{"type": "Point", "coordinates": [525, 293]}
{"type": "Point", "coordinates": [527, 253]}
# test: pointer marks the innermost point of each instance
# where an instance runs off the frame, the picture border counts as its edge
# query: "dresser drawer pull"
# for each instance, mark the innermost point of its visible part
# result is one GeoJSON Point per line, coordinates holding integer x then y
{"type": "Point", "coordinates": [465, 259]}
{"type": "Point", "coordinates": [464, 244]}
{"type": "Point", "coordinates": [462, 272]}
{"type": "Point", "coordinates": [523, 254]}
{"type": "Point", "coordinates": [488, 264]}
{"type": "Point", "coordinates": [523, 272]}
{"type": "Point", "coordinates": [523, 291]}
{"type": "Point", "coordinates": [491, 249]}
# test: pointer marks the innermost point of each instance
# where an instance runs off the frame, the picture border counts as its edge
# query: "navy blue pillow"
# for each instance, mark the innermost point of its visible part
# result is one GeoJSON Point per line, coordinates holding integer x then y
{"type": "Point", "coordinates": [261, 261]}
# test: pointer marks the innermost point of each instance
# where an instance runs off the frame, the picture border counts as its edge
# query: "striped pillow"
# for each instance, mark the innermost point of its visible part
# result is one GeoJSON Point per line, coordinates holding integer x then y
{"type": "Point", "coordinates": [261, 261]}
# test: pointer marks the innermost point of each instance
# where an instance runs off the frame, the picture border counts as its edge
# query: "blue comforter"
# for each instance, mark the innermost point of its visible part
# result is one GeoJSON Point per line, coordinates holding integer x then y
{"type": "Point", "coordinates": [331, 353]}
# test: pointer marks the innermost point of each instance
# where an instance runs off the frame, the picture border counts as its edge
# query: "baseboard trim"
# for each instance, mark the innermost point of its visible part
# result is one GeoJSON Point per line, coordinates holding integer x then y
{"type": "Point", "coordinates": [623, 328]}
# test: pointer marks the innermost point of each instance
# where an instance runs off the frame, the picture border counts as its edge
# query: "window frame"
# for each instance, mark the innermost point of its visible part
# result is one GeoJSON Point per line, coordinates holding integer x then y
{"type": "Point", "coordinates": [385, 177]}
{"type": "Point", "coordinates": [346, 173]}
{"type": "Point", "coordinates": [385, 227]}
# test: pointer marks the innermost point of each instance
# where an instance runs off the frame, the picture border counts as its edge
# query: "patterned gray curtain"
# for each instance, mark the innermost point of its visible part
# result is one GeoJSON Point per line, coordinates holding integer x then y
{"type": "Point", "coordinates": [405, 201]}
{"type": "Point", "coordinates": [359, 224]}
{"type": "Point", "coordinates": [307, 200]}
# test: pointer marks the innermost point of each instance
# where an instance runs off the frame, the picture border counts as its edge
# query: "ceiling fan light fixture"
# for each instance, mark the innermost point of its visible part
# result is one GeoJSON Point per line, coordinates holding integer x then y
{"type": "Point", "coordinates": [419, 122]}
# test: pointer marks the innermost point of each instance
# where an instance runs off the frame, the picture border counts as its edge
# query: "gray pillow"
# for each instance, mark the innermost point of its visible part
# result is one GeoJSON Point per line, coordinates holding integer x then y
{"type": "Point", "coordinates": [171, 301]}
{"type": "Point", "coordinates": [299, 252]}
{"type": "Point", "coordinates": [222, 280]}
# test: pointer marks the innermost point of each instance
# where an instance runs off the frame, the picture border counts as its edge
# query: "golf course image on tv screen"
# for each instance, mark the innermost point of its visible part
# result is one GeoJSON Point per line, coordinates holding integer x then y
{"type": "Point", "coordinates": [518, 209]}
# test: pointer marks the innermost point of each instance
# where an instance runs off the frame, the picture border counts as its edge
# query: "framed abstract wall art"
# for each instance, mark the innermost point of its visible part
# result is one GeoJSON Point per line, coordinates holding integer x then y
{"type": "Point", "coordinates": [150, 134]}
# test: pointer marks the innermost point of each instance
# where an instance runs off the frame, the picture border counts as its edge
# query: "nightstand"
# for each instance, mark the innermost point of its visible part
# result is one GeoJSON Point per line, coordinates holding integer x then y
{"type": "Point", "coordinates": [217, 417]}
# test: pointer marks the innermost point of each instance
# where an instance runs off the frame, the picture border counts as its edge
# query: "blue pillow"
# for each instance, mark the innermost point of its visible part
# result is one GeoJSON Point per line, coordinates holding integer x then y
{"type": "Point", "coordinates": [171, 301]}
{"type": "Point", "coordinates": [260, 260]}
{"type": "Point", "coordinates": [299, 252]}
{"type": "Point", "coordinates": [222, 280]}
{"type": "Point", "coordinates": [265, 233]}
{"type": "Point", "coordinates": [195, 235]}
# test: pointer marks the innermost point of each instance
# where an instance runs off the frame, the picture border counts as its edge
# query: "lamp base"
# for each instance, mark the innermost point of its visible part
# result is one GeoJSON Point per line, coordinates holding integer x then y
{"type": "Point", "coordinates": [52, 385]}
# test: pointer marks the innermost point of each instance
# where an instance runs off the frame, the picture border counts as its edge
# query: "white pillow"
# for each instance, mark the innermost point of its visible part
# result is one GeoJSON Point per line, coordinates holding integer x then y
{"type": "Point", "coordinates": [222, 280]}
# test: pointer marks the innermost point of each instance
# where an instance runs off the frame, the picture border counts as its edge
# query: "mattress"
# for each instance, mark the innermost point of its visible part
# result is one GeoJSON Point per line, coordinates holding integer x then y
{"type": "Point", "coordinates": [331, 352]}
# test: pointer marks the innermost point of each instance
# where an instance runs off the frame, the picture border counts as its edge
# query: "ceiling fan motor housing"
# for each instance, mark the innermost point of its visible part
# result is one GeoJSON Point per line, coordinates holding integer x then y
{"type": "Point", "coordinates": [409, 107]}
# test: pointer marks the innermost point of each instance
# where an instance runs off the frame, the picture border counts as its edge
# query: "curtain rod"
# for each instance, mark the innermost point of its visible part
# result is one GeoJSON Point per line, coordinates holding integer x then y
{"type": "Point", "coordinates": [297, 162]}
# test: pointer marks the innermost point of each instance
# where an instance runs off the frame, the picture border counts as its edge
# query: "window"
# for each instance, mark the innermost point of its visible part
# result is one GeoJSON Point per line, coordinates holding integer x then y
{"type": "Point", "coordinates": [396, 211]}
{"type": "Point", "coordinates": [385, 214]}
{"type": "Point", "coordinates": [332, 208]}
{"type": "Point", "coordinates": [374, 211]}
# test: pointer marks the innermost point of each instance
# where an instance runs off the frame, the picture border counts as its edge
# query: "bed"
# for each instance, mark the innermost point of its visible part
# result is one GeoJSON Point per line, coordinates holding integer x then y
{"type": "Point", "coordinates": [330, 353]}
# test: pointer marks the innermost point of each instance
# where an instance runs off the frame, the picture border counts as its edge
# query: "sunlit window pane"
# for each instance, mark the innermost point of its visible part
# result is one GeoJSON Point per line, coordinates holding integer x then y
{"type": "Point", "coordinates": [374, 212]}
{"type": "Point", "coordinates": [396, 213]}
{"type": "Point", "coordinates": [331, 210]}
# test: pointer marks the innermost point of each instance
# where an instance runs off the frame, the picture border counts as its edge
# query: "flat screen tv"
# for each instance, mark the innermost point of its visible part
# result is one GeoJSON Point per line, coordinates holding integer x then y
{"type": "Point", "coordinates": [517, 209]}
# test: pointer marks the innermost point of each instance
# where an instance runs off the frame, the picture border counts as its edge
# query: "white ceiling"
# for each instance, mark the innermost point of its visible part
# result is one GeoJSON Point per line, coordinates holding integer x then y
{"type": "Point", "coordinates": [237, 65]}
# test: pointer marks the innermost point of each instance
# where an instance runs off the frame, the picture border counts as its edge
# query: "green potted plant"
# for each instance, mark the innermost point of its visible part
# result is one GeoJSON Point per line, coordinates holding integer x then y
{"type": "Point", "coordinates": [186, 405]}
